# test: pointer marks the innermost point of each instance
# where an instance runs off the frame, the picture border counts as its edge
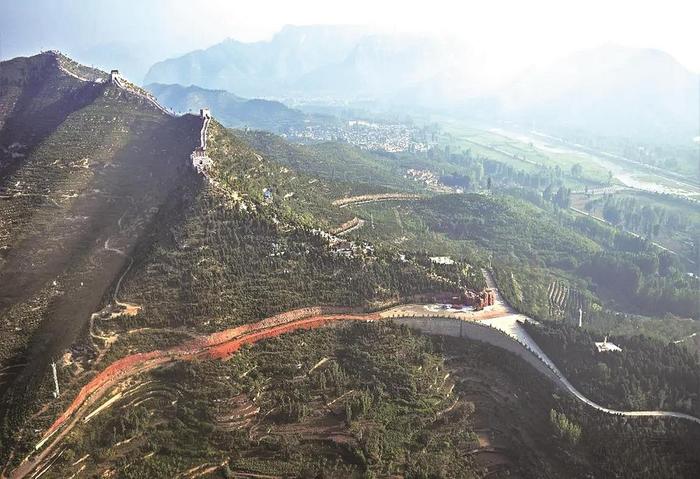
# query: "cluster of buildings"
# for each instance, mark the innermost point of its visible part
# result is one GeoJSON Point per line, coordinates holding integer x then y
{"type": "Point", "coordinates": [477, 300]}
{"type": "Point", "coordinates": [431, 180]}
{"type": "Point", "coordinates": [388, 137]}
{"type": "Point", "coordinates": [424, 176]}
{"type": "Point", "coordinates": [441, 260]}
{"type": "Point", "coordinates": [344, 247]}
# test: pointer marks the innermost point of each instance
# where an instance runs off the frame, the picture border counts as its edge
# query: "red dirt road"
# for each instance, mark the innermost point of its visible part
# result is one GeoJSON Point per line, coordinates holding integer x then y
{"type": "Point", "coordinates": [219, 345]}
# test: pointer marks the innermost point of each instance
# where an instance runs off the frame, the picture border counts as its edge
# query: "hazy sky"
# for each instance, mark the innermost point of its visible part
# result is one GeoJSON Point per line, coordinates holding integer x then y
{"type": "Point", "coordinates": [516, 33]}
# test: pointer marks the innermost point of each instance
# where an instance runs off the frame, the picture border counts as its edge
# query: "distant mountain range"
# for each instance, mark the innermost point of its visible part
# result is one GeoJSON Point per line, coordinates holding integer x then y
{"type": "Point", "coordinates": [334, 62]}
{"type": "Point", "coordinates": [230, 109]}
{"type": "Point", "coordinates": [267, 68]}
{"type": "Point", "coordinates": [609, 90]}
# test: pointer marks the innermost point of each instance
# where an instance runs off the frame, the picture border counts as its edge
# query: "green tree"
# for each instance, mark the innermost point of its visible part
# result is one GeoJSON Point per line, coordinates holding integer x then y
{"type": "Point", "coordinates": [576, 170]}
{"type": "Point", "coordinates": [565, 429]}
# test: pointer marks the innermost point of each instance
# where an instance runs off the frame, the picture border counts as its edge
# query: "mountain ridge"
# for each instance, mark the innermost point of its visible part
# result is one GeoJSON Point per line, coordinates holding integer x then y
{"type": "Point", "coordinates": [619, 91]}
{"type": "Point", "coordinates": [312, 61]}
{"type": "Point", "coordinates": [268, 63]}
{"type": "Point", "coordinates": [69, 187]}
{"type": "Point", "coordinates": [232, 110]}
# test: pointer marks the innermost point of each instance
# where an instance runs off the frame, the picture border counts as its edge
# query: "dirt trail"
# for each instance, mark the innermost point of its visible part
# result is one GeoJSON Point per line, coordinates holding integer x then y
{"type": "Point", "coordinates": [129, 309]}
{"type": "Point", "coordinates": [348, 227]}
{"type": "Point", "coordinates": [362, 199]}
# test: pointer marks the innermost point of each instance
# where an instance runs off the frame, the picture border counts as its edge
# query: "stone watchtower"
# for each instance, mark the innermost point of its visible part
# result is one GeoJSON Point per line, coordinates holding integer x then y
{"type": "Point", "coordinates": [114, 76]}
{"type": "Point", "coordinates": [204, 113]}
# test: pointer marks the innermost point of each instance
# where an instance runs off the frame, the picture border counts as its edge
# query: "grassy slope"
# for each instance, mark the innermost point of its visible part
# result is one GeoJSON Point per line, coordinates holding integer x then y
{"type": "Point", "coordinates": [96, 169]}
{"type": "Point", "coordinates": [530, 158]}
{"type": "Point", "coordinates": [36, 97]}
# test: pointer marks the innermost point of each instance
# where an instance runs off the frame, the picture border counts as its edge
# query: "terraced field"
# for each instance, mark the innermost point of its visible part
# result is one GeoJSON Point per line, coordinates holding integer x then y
{"type": "Point", "coordinates": [564, 301]}
{"type": "Point", "coordinates": [119, 381]}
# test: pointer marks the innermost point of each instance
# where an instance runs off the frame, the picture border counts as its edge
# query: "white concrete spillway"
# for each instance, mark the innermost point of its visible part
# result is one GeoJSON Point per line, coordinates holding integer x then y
{"type": "Point", "coordinates": [507, 332]}
{"type": "Point", "coordinates": [507, 325]}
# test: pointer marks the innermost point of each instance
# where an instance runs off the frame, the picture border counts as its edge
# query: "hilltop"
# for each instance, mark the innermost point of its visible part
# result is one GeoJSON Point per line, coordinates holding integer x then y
{"type": "Point", "coordinates": [38, 94]}
{"type": "Point", "coordinates": [231, 110]}
{"type": "Point", "coordinates": [86, 164]}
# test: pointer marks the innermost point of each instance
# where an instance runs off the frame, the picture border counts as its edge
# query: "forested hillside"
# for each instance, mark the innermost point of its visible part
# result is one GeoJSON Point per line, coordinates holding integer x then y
{"type": "Point", "coordinates": [139, 248]}
{"type": "Point", "coordinates": [646, 374]}
{"type": "Point", "coordinates": [107, 219]}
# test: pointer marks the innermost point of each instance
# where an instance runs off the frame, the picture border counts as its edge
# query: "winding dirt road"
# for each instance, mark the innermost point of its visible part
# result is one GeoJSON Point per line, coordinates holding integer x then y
{"type": "Point", "coordinates": [130, 309]}
{"type": "Point", "coordinates": [223, 344]}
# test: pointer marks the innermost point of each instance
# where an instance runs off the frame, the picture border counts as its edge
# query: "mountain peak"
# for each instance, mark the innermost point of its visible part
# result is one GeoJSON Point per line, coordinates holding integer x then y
{"type": "Point", "coordinates": [46, 61]}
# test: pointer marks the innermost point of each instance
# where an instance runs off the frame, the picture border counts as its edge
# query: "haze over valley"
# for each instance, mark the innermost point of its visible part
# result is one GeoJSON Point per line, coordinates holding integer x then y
{"type": "Point", "coordinates": [369, 240]}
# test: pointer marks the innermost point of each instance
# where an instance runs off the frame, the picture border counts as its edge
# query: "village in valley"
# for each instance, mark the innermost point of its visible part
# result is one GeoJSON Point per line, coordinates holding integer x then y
{"type": "Point", "coordinates": [368, 135]}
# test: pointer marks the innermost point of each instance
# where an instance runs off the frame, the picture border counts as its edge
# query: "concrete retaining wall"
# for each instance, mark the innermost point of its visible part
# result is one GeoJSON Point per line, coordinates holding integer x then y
{"type": "Point", "coordinates": [478, 332]}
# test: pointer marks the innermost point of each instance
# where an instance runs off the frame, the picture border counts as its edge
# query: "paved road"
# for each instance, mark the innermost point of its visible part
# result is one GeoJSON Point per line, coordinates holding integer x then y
{"type": "Point", "coordinates": [511, 325]}
{"type": "Point", "coordinates": [504, 318]}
